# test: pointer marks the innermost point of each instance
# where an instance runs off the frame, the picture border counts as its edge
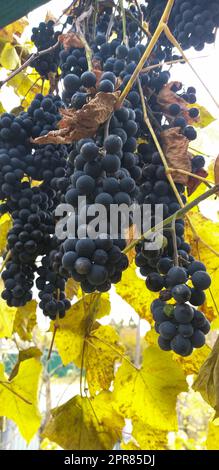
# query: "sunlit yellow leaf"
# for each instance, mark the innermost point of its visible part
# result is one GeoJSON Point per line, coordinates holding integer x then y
{"type": "Point", "coordinates": [17, 27]}
{"type": "Point", "coordinates": [7, 316]}
{"type": "Point", "coordinates": [150, 393]}
{"type": "Point", "coordinates": [148, 437]}
{"type": "Point", "coordinates": [133, 290]}
{"type": "Point", "coordinates": [86, 424]}
{"type": "Point", "coordinates": [25, 320]}
{"type": "Point", "coordinates": [81, 339]}
{"type": "Point", "coordinates": [205, 117]}
{"type": "Point", "coordinates": [23, 355]}
{"type": "Point", "coordinates": [212, 441]}
{"type": "Point", "coordinates": [209, 232]}
{"type": "Point", "coordinates": [18, 397]}
{"type": "Point", "coordinates": [101, 352]}
{"type": "Point", "coordinates": [207, 381]}
{"type": "Point", "coordinates": [5, 225]}
{"type": "Point", "coordinates": [191, 364]}
{"type": "Point", "coordinates": [71, 288]}
{"type": "Point", "coordinates": [9, 57]}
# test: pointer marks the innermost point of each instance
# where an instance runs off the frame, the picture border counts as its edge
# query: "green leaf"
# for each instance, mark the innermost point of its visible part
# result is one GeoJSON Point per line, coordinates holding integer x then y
{"type": "Point", "coordinates": [150, 393]}
{"type": "Point", "coordinates": [9, 57]}
{"type": "Point", "coordinates": [18, 397]}
{"type": "Point", "coordinates": [86, 424]}
{"type": "Point", "coordinates": [207, 382]}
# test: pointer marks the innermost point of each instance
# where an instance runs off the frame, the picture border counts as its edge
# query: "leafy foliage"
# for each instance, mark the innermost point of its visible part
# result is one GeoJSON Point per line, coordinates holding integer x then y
{"type": "Point", "coordinates": [18, 397]}
{"type": "Point", "coordinates": [86, 424]}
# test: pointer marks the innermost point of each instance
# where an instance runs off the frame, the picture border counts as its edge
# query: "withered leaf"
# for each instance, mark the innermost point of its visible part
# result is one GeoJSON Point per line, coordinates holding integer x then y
{"type": "Point", "coordinates": [166, 97]}
{"type": "Point", "coordinates": [216, 171]}
{"type": "Point", "coordinates": [71, 40]}
{"type": "Point", "coordinates": [175, 147]}
{"type": "Point", "coordinates": [131, 234]}
{"type": "Point", "coordinates": [207, 382]}
{"type": "Point", "coordinates": [193, 183]}
{"type": "Point", "coordinates": [76, 125]}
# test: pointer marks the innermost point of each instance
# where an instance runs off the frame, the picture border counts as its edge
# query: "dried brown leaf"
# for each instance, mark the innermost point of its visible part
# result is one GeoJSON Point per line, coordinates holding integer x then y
{"type": "Point", "coordinates": [76, 125]}
{"type": "Point", "coordinates": [175, 147]}
{"type": "Point", "coordinates": [166, 97]}
{"type": "Point", "coordinates": [193, 183]}
{"type": "Point", "coordinates": [216, 171]}
{"type": "Point", "coordinates": [50, 16]}
{"type": "Point", "coordinates": [71, 40]}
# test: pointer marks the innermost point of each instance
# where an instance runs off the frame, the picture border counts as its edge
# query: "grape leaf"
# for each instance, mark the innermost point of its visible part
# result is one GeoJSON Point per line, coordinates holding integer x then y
{"type": "Point", "coordinates": [148, 437]}
{"type": "Point", "coordinates": [7, 316]}
{"type": "Point", "coordinates": [5, 225]}
{"type": "Point", "coordinates": [15, 28]}
{"type": "Point", "coordinates": [81, 339]}
{"type": "Point", "coordinates": [71, 288]}
{"type": "Point", "coordinates": [207, 381]}
{"type": "Point", "coordinates": [216, 171]}
{"type": "Point", "coordinates": [132, 289]}
{"type": "Point", "coordinates": [150, 393]}
{"type": "Point", "coordinates": [25, 320]}
{"type": "Point", "coordinates": [212, 441]}
{"type": "Point", "coordinates": [86, 424]}
{"type": "Point", "coordinates": [9, 57]}
{"type": "Point", "coordinates": [18, 397]}
{"type": "Point", "coordinates": [209, 232]}
{"type": "Point", "coordinates": [205, 117]}
{"type": "Point", "coordinates": [23, 355]}
{"type": "Point", "coordinates": [76, 125]}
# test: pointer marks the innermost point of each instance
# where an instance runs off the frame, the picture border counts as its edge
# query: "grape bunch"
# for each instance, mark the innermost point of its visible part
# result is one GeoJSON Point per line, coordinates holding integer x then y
{"type": "Point", "coordinates": [44, 37]}
{"type": "Point", "coordinates": [192, 22]}
{"type": "Point", "coordinates": [181, 327]}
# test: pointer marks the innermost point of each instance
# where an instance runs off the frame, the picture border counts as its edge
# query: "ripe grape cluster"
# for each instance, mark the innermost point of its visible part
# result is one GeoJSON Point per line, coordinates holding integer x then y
{"type": "Point", "coordinates": [193, 22]}
{"type": "Point", "coordinates": [119, 165]}
{"type": "Point", "coordinates": [44, 37]}
{"type": "Point", "coordinates": [181, 327]}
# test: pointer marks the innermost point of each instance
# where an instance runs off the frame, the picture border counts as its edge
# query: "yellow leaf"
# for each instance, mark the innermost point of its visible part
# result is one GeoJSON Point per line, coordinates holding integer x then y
{"type": "Point", "coordinates": [23, 85]}
{"type": "Point", "coordinates": [18, 397]}
{"type": "Point", "coordinates": [191, 364]}
{"type": "Point", "coordinates": [2, 110]}
{"type": "Point", "coordinates": [100, 357]}
{"type": "Point", "coordinates": [5, 225]}
{"type": "Point", "coordinates": [17, 27]}
{"type": "Point", "coordinates": [207, 381]}
{"type": "Point", "coordinates": [9, 57]}
{"type": "Point", "coordinates": [81, 339]}
{"type": "Point", "coordinates": [7, 316]}
{"type": "Point", "coordinates": [25, 354]}
{"type": "Point", "coordinates": [86, 424]}
{"type": "Point", "coordinates": [148, 437]}
{"type": "Point", "coordinates": [212, 441]}
{"type": "Point", "coordinates": [71, 288]}
{"type": "Point", "coordinates": [133, 290]}
{"type": "Point", "coordinates": [25, 320]}
{"type": "Point", "coordinates": [150, 393]}
{"type": "Point", "coordinates": [205, 117]}
{"type": "Point", "coordinates": [209, 232]}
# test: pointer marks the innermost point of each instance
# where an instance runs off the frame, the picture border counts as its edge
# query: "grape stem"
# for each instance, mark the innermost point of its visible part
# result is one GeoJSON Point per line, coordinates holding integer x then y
{"type": "Point", "coordinates": [175, 43]}
{"type": "Point", "coordinates": [193, 175]}
{"type": "Point", "coordinates": [5, 261]}
{"type": "Point", "coordinates": [175, 250]}
{"type": "Point", "coordinates": [177, 215]}
{"type": "Point", "coordinates": [170, 62]}
{"type": "Point", "coordinates": [121, 4]}
{"type": "Point", "coordinates": [29, 61]}
{"type": "Point", "coordinates": [166, 167]}
{"type": "Point", "coordinates": [149, 49]}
